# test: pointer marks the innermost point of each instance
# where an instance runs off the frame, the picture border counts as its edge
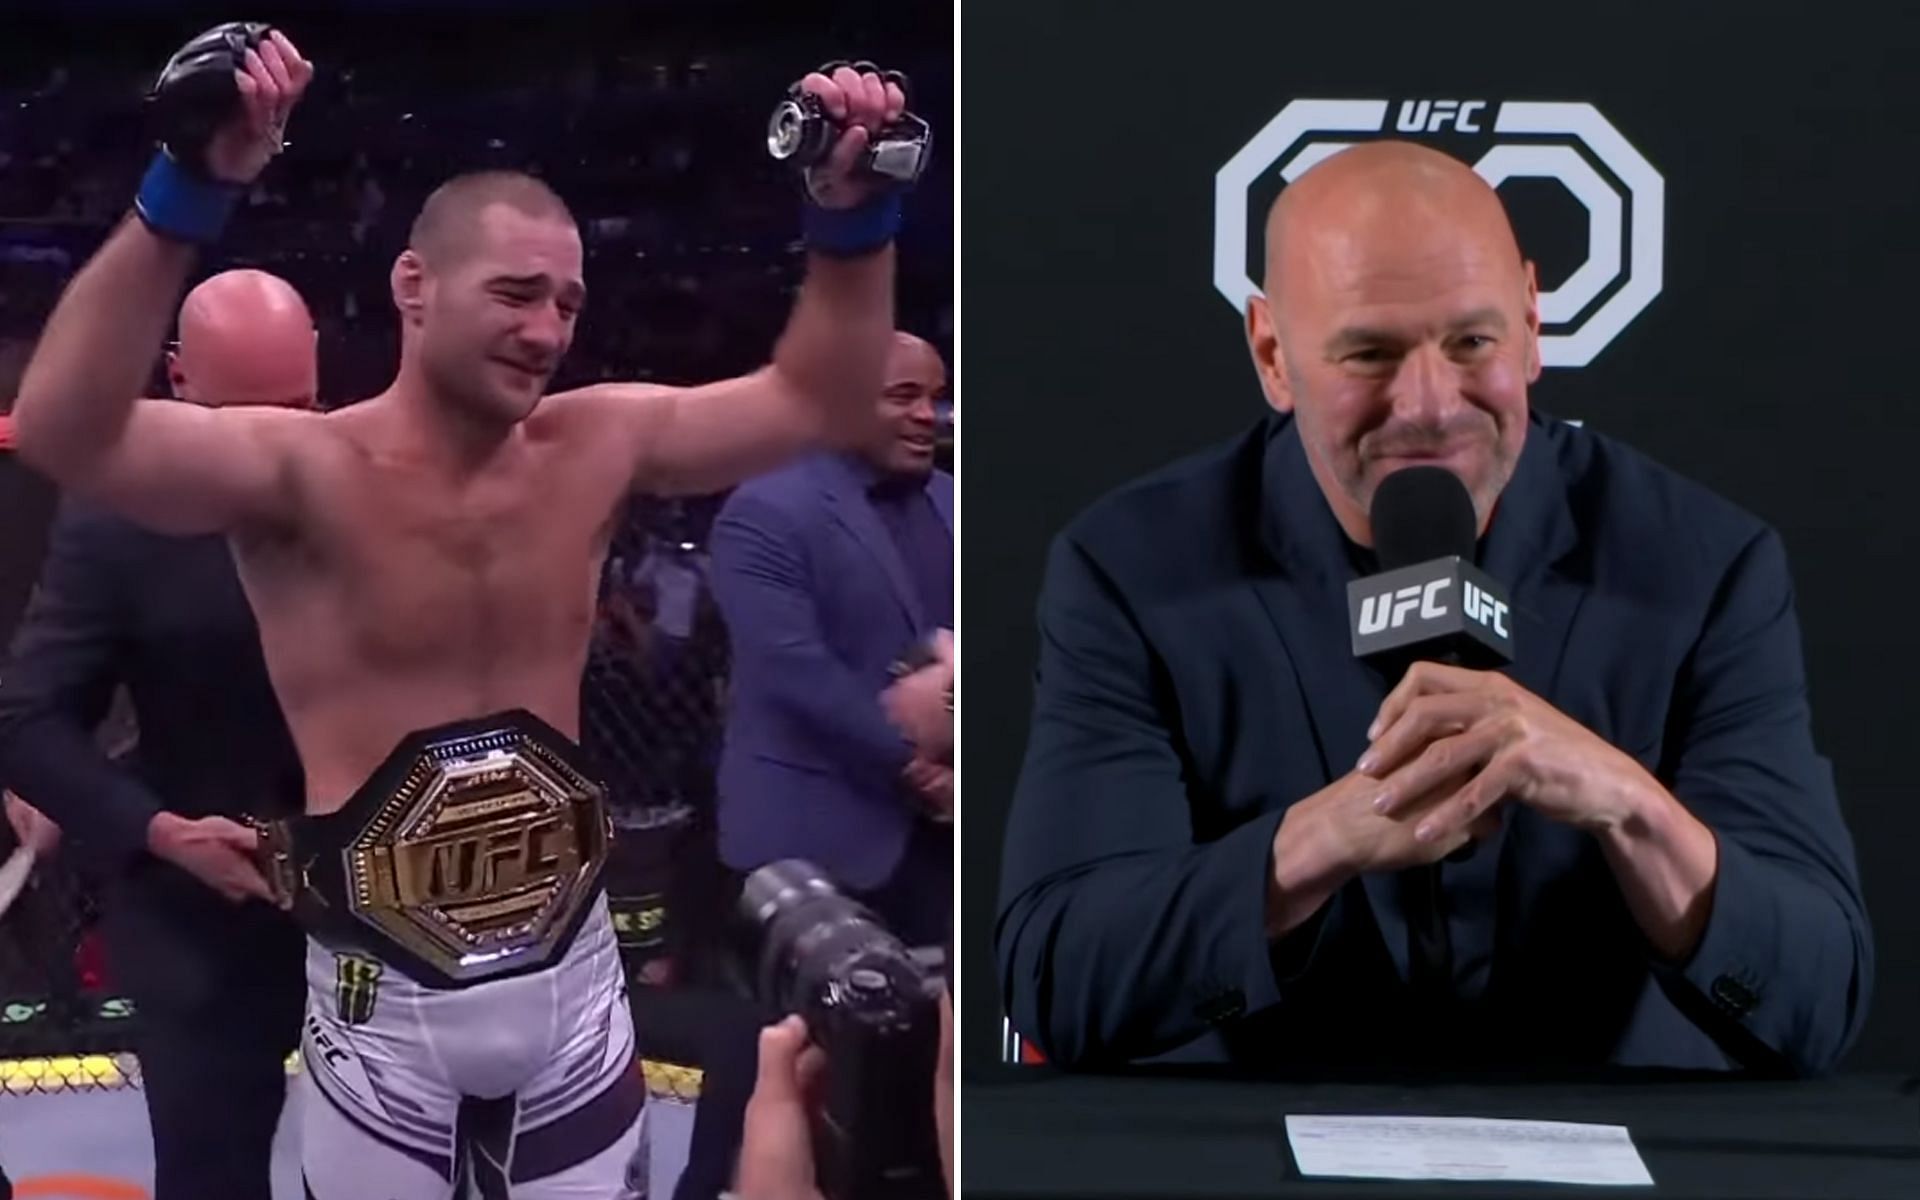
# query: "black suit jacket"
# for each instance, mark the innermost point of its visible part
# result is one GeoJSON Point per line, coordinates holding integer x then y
{"type": "Point", "coordinates": [27, 503]}
{"type": "Point", "coordinates": [116, 604]}
{"type": "Point", "coordinates": [1195, 680]}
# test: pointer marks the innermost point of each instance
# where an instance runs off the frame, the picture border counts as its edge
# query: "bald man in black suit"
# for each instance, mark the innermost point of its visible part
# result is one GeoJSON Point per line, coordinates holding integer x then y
{"type": "Point", "coordinates": [215, 973]}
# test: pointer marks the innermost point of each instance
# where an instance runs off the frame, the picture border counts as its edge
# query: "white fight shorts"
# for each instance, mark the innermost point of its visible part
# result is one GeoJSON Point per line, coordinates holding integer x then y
{"type": "Point", "coordinates": [526, 1088]}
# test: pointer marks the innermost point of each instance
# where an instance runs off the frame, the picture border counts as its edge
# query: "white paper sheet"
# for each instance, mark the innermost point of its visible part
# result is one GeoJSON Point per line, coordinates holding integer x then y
{"type": "Point", "coordinates": [1465, 1148]}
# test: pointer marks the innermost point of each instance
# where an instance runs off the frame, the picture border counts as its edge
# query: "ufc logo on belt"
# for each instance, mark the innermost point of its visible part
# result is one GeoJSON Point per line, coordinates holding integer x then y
{"type": "Point", "coordinates": [483, 863]}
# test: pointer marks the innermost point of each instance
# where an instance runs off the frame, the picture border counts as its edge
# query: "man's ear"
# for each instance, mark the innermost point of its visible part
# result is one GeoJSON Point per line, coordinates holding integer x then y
{"type": "Point", "coordinates": [177, 385]}
{"type": "Point", "coordinates": [1533, 324]}
{"type": "Point", "coordinates": [409, 279]}
{"type": "Point", "coordinates": [1269, 357]}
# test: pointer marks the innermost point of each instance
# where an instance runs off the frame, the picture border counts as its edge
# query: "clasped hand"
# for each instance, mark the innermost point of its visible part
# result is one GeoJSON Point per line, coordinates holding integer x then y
{"type": "Point", "coordinates": [864, 104]}
{"type": "Point", "coordinates": [1450, 745]}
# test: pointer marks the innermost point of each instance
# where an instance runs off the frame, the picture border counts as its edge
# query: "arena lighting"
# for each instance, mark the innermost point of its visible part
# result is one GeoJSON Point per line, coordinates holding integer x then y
{"type": "Point", "coordinates": [61, 1073]}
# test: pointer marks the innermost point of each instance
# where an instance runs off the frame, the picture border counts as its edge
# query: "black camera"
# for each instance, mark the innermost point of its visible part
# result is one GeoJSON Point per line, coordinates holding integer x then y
{"type": "Point", "coordinates": [802, 132]}
{"type": "Point", "coordinates": [875, 1010]}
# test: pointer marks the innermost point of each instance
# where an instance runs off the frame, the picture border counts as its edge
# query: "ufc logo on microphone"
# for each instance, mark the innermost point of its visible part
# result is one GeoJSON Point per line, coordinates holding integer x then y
{"type": "Point", "coordinates": [1431, 116]}
{"type": "Point", "coordinates": [1389, 610]}
{"type": "Point", "coordinates": [1485, 609]}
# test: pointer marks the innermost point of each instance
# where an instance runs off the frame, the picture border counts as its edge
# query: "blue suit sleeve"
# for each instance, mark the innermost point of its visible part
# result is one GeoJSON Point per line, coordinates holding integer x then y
{"type": "Point", "coordinates": [1782, 975]}
{"type": "Point", "coordinates": [1120, 934]}
{"type": "Point", "coordinates": [55, 689]}
{"type": "Point", "coordinates": [760, 581]}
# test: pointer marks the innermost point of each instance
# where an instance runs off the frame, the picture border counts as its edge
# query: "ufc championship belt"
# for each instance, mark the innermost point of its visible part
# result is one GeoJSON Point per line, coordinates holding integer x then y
{"type": "Point", "coordinates": [472, 853]}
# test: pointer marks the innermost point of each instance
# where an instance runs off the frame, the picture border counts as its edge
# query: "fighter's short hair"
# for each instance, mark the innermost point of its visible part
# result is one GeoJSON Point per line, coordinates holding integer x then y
{"type": "Point", "coordinates": [444, 229]}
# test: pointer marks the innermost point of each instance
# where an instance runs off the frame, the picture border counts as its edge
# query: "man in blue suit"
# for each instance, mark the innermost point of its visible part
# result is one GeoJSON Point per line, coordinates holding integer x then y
{"type": "Point", "coordinates": [1220, 805]}
{"type": "Point", "coordinates": [832, 573]}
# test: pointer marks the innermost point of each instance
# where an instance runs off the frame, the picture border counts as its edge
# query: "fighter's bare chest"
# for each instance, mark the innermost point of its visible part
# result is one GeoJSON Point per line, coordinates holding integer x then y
{"type": "Point", "coordinates": [415, 569]}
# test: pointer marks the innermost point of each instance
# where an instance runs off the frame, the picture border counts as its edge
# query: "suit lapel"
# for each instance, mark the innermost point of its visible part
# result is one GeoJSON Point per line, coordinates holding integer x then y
{"type": "Point", "coordinates": [847, 500]}
{"type": "Point", "coordinates": [940, 487]}
{"type": "Point", "coordinates": [1531, 547]}
{"type": "Point", "coordinates": [1304, 592]}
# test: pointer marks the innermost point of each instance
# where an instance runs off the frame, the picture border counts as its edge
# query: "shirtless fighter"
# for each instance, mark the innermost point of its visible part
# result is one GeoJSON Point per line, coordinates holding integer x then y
{"type": "Point", "coordinates": [423, 566]}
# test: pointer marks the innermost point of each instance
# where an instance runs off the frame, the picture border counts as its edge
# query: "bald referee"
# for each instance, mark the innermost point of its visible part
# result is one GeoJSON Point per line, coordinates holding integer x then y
{"type": "Point", "coordinates": [215, 974]}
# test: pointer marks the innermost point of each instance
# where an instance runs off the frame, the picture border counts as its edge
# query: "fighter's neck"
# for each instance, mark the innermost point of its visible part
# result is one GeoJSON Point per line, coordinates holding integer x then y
{"type": "Point", "coordinates": [424, 425]}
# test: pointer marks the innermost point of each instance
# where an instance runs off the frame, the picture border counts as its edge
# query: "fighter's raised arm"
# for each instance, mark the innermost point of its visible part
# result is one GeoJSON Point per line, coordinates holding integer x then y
{"type": "Point", "coordinates": [174, 467]}
{"type": "Point", "coordinates": [827, 366]}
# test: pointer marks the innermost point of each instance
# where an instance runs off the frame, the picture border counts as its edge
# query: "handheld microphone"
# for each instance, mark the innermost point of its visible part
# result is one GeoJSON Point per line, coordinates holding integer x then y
{"type": "Point", "coordinates": [1428, 600]}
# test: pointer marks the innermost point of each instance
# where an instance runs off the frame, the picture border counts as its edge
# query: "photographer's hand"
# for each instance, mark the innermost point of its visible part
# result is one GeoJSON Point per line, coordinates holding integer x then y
{"type": "Point", "coordinates": [776, 1142]}
{"type": "Point", "coordinates": [943, 1089]}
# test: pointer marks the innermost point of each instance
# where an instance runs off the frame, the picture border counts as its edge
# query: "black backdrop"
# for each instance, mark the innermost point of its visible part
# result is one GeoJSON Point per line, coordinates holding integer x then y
{"type": "Point", "coordinates": [1776, 364]}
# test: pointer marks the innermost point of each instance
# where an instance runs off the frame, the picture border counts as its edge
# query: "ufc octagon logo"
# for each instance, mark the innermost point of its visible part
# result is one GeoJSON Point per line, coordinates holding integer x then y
{"type": "Point", "coordinates": [1554, 134]}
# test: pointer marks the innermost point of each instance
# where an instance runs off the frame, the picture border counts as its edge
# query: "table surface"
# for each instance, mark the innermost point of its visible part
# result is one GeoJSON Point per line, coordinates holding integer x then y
{"type": "Point", "coordinates": [1032, 1133]}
